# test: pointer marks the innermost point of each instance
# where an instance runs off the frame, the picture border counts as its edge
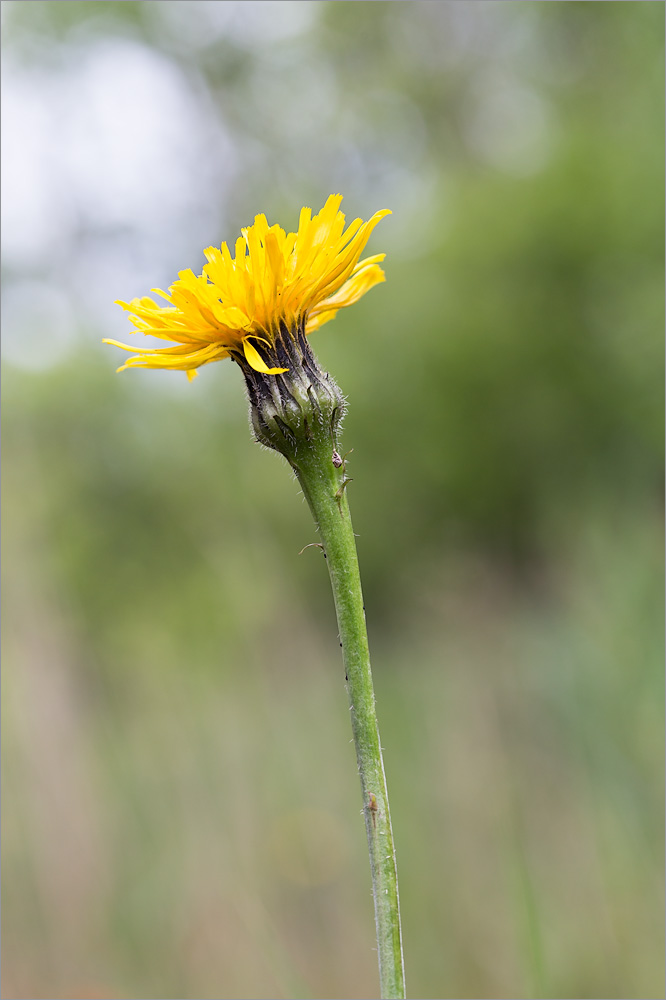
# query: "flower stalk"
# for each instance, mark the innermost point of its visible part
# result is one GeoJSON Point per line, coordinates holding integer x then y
{"type": "Point", "coordinates": [324, 487]}
{"type": "Point", "coordinates": [298, 412]}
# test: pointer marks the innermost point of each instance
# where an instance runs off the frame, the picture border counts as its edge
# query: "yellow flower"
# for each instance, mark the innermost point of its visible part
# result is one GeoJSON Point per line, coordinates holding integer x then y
{"type": "Point", "coordinates": [276, 278]}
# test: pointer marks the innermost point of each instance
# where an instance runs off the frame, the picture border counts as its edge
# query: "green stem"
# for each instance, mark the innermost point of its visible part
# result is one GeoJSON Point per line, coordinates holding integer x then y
{"type": "Point", "coordinates": [324, 487]}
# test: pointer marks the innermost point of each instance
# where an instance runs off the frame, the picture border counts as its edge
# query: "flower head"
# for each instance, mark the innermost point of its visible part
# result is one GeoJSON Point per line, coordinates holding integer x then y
{"type": "Point", "coordinates": [276, 281]}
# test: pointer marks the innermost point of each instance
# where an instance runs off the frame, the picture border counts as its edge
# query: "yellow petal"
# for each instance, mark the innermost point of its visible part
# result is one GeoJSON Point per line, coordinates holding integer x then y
{"type": "Point", "coordinates": [255, 360]}
{"type": "Point", "coordinates": [315, 320]}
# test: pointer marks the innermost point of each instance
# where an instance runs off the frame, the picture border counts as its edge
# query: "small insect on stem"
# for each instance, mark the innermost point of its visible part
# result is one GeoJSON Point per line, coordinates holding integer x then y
{"type": "Point", "coordinates": [339, 460]}
{"type": "Point", "coordinates": [374, 808]}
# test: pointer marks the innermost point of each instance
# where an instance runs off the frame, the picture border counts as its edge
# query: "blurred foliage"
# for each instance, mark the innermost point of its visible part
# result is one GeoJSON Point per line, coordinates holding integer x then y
{"type": "Point", "coordinates": [181, 811]}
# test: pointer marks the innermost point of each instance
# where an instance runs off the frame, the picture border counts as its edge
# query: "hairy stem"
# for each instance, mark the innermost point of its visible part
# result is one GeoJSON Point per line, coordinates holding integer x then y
{"type": "Point", "coordinates": [321, 474]}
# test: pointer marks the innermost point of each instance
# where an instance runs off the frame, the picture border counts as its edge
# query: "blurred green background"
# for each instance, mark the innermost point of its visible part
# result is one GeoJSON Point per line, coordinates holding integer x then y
{"type": "Point", "coordinates": [181, 811]}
